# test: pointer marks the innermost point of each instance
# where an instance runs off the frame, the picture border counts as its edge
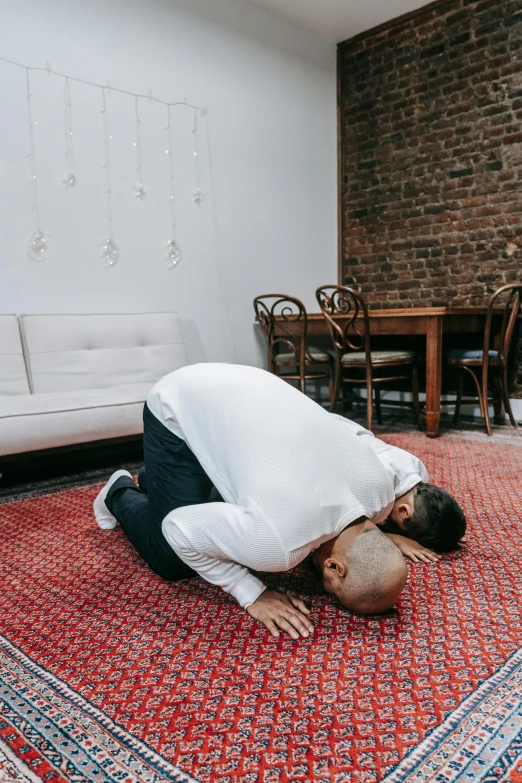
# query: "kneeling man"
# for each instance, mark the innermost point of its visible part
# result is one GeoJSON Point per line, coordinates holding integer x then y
{"type": "Point", "coordinates": [295, 481]}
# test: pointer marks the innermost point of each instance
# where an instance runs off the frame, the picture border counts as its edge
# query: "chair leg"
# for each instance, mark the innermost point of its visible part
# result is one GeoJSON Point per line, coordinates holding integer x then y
{"type": "Point", "coordinates": [347, 397]}
{"type": "Point", "coordinates": [507, 404]}
{"type": "Point", "coordinates": [483, 401]}
{"type": "Point", "coordinates": [378, 404]}
{"type": "Point", "coordinates": [415, 393]}
{"type": "Point", "coordinates": [459, 396]}
{"type": "Point", "coordinates": [336, 384]}
{"type": "Point", "coordinates": [302, 382]}
{"type": "Point", "coordinates": [369, 401]}
{"type": "Point", "coordinates": [485, 405]}
{"type": "Point", "coordinates": [498, 398]}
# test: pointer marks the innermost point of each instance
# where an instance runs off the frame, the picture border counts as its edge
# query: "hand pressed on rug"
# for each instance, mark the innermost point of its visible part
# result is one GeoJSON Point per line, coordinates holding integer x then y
{"type": "Point", "coordinates": [279, 611]}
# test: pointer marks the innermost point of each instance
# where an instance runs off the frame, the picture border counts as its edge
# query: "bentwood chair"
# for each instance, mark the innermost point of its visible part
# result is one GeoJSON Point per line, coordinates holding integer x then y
{"type": "Point", "coordinates": [346, 314]}
{"type": "Point", "coordinates": [284, 322]}
{"type": "Point", "coordinates": [488, 367]}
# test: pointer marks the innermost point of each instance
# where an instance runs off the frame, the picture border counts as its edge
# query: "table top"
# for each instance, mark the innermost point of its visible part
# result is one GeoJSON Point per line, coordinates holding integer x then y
{"type": "Point", "coordinates": [415, 312]}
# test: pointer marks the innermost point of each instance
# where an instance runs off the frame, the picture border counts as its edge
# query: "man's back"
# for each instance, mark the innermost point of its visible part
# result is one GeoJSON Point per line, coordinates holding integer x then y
{"type": "Point", "coordinates": [270, 449]}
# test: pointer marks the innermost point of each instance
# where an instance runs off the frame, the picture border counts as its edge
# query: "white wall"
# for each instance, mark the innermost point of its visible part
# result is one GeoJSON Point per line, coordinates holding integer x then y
{"type": "Point", "coordinates": [270, 221]}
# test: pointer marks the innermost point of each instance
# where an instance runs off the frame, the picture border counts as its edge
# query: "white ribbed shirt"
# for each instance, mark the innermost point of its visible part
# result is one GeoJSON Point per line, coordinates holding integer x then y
{"type": "Point", "coordinates": [404, 469]}
{"type": "Point", "coordinates": [291, 474]}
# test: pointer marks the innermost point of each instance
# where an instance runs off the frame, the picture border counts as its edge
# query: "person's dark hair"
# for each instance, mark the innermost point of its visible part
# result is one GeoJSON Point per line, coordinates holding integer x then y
{"type": "Point", "coordinates": [438, 522]}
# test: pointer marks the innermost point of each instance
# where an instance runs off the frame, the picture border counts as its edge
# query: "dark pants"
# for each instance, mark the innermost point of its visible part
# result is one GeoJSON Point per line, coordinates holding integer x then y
{"type": "Point", "coordinates": [173, 478]}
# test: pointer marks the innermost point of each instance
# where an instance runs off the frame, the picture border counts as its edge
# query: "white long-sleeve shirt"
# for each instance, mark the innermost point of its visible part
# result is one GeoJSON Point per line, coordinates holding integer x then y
{"type": "Point", "coordinates": [291, 474]}
{"type": "Point", "coordinates": [405, 469]}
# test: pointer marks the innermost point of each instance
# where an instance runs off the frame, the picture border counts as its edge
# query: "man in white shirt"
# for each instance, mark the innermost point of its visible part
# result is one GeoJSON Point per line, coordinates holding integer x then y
{"type": "Point", "coordinates": [295, 480]}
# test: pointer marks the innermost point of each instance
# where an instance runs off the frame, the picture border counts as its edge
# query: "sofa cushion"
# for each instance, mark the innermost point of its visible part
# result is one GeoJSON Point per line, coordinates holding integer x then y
{"type": "Point", "coordinates": [59, 402]}
{"type": "Point", "coordinates": [13, 375]}
{"type": "Point", "coordinates": [39, 421]}
{"type": "Point", "coordinates": [78, 352]}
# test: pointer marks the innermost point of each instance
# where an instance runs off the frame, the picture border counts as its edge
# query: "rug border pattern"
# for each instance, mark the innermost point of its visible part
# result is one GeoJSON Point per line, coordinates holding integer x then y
{"type": "Point", "coordinates": [490, 718]}
{"type": "Point", "coordinates": [134, 759]}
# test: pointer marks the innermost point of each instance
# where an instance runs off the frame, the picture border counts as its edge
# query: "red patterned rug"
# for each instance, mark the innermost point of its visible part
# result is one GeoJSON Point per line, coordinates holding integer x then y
{"type": "Point", "coordinates": [107, 673]}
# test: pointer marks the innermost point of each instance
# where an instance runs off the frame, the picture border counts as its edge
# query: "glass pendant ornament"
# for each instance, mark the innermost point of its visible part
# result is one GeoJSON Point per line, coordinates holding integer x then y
{"type": "Point", "coordinates": [70, 180]}
{"type": "Point", "coordinates": [110, 252]}
{"type": "Point", "coordinates": [37, 248]}
{"type": "Point", "coordinates": [198, 195]}
{"type": "Point", "coordinates": [173, 253]}
{"type": "Point", "coordinates": [140, 191]}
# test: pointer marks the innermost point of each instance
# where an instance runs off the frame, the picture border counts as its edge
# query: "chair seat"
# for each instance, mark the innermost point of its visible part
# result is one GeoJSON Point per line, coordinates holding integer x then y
{"type": "Point", "coordinates": [378, 357]}
{"type": "Point", "coordinates": [319, 357]}
{"type": "Point", "coordinates": [457, 354]}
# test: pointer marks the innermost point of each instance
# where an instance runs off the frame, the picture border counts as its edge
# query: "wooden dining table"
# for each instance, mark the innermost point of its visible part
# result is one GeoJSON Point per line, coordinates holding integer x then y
{"type": "Point", "coordinates": [433, 322]}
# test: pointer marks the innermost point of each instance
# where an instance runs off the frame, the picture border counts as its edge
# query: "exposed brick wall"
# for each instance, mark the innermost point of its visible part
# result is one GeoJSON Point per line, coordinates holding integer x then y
{"type": "Point", "coordinates": [431, 155]}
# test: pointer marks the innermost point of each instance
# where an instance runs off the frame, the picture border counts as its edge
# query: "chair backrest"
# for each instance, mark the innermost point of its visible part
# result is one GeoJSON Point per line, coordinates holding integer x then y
{"type": "Point", "coordinates": [287, 334]}
{"type": "Point", "coordinates": [76, 352]}
{"type": "Point", "coordinates": [346, 314]}
{"type": "Point", "coordinates": [13, 374]}
{"type": "Point", "coordinates": [512, 301]}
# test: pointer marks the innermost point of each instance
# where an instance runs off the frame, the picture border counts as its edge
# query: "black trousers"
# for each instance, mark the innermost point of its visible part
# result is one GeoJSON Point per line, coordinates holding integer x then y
{"type": "Point", "coordinates": [172, 478]}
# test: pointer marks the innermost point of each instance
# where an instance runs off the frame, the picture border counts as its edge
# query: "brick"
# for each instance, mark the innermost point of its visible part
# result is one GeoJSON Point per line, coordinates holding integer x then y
{"type": "Point", "coordinates": [459, 108]}
{"type": "Point", "coordinates": [513, 19]}
{"type": "Point", "coordinates": [513, 138]}
{"type": "Point", "coordinates": [435, 210]}
{"type": "Point", "coordinates": [460, 173]}
{"type": "Point", "coordinates": [492, 132]}
{"type": "Point", "coordinates": [499, 112]}
{"type": "Point", "coordinates": [487, 29]}
{"type": "Point", "coordinates": [476, 201]}
{"type": "Point", "coordinates": [432, 51]}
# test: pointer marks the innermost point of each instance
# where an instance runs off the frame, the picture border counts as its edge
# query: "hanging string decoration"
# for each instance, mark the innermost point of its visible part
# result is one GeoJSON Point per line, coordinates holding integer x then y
{"type": "Point", "coordinates": [173, 249]}
{"type": "Point", "coordinates": [37, 248]}
{"type": "Point", "coordinates": [110, 250]}
{"type": "Point", "coordinates": [38, 244]}
{"type": "Point", "coordinates": [140, 191]}
{"type": "Point", "coordinates": [198, 194]}
{"type": "Point", "coordinates": [70, 179]}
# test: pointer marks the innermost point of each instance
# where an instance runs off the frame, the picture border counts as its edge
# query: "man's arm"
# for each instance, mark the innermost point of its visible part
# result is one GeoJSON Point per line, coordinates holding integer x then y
{"type": "Point", "coordinates": [412, 549]}
{"type": "Point", "coordinates": [218, 541]}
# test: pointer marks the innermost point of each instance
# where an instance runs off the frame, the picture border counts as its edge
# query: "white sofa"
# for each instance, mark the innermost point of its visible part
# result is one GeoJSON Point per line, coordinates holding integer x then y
{"type": "Point", "coordinates": [71, 379]}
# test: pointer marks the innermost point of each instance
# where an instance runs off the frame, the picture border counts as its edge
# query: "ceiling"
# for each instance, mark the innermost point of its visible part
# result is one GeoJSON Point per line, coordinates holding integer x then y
{"type": "Point", "coordinates": [337, 20]}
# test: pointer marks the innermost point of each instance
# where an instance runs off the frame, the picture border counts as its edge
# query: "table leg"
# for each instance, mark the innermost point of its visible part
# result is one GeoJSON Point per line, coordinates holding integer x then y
{"type": "Point", "coordinates": [433, 374]}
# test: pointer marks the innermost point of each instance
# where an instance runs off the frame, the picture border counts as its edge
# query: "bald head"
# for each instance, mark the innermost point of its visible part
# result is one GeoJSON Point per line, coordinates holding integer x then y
{"type": "Point", "coordinates": [376, 574]}
{"type": "Point", "coordinates": [362, 567]}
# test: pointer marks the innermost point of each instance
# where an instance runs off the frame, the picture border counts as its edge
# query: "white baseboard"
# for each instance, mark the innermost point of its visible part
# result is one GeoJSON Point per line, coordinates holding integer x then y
{"type": "Point", "coordinates": [447, 403]}
{"type": "Point", "coordinates": [321, 393]}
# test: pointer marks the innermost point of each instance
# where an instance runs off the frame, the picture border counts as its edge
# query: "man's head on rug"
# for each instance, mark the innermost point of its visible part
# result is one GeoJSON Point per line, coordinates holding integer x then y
{"type": "Point", "coordinates": [430, 516]}
{"type": "Point", "coordinates": [363, 568]}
